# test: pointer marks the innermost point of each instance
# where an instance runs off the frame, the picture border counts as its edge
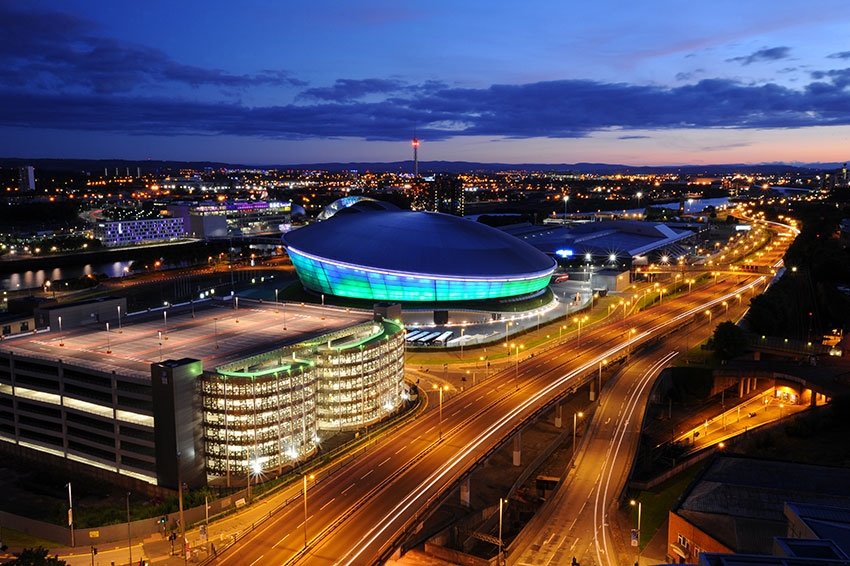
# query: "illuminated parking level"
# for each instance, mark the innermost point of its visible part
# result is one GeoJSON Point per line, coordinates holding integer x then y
{"type": "Point", "coordinates": [264, 412]}
{"type": "Point", "coordinates": [236, 388]}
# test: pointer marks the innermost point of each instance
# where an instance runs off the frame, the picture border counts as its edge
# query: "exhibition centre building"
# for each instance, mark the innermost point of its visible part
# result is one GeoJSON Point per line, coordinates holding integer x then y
{"type": "Point", "coordinates": [399, 255]}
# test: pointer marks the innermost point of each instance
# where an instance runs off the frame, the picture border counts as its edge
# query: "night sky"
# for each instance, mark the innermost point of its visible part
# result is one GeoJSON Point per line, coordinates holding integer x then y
{"type": "Point", "coordinates": [271, 82]}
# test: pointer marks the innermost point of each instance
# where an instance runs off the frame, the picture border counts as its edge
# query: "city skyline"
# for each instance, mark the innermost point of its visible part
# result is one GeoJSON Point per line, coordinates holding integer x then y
{"type": "Point", "coordinates": [659, 85]}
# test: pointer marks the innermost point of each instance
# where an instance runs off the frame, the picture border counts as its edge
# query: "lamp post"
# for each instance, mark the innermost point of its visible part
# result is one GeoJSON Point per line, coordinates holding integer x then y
{"type": "Point", "coordinates": [578, 338]}
{"type": "Point", "coordinates": [501, 501]}
{"type": "Point", "coordinates": [601, 363]}
{"type": "Point", "coordinates": [629, 335]}
{"type": "Point", "coordinates": [129, 539]}
{"type": "Point", "coordinates": [108, 349]}
{"type": "Point", "coordinates": [305, 507]}
{"type": "Point", "coordinates": [725, 304]}
{"type": "Point", "coordinates": [61, 341]}
{"type": "Point", "coordinates": [575, 420]}
{"type": "Point", "coordinates": [444, 387]}
{"type": "Point", "coordinates": [71, 514]}
{"type": "Point", "coordinates": [119, 320]}
{"type": "Point", "coordinates": [708, 312]}
{"type": "Point", "coordinates": [516, 359]}
{"type": "Point", "coordinates": [638, 503]}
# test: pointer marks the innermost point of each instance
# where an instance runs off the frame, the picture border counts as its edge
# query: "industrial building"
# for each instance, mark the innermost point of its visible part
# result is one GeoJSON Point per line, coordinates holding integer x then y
{"type": "Point", "coordinates": [234, 387]}
{"type": "Point", "coordinates": [738, 504]}
{"type": "Point", "coordinates": [622, 240]}
{"type": "Point", "coordinates": [401, 255]}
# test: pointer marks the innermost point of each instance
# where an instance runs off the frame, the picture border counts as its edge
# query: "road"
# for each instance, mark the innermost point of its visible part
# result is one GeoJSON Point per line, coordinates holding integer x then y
{"type": "Point", "coordinates": [366, 508]}
{"type": "Point", "coordinates": [358, 517]}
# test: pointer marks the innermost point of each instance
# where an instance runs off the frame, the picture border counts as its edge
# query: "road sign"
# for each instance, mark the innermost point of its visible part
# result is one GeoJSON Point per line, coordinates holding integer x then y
{"type": "Point", "coordinates": [94, 534]}
{"type": "Point", "coordinates": [634, 537]}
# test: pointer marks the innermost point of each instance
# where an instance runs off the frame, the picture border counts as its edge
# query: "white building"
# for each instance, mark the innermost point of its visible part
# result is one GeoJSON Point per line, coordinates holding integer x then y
{"type": "Point", "coordinates": [130, 232]}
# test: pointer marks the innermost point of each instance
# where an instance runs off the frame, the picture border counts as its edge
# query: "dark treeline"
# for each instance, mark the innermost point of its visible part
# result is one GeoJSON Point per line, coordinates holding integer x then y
{"type": "Point", "coordinates": [806, 303]}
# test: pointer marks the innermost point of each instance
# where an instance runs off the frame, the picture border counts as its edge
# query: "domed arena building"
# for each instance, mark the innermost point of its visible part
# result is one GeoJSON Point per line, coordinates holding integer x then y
{"type": "Point", "coordinates": [390, 254]}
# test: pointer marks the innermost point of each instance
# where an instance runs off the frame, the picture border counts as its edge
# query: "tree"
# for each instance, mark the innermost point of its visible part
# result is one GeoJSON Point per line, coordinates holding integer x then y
{"type": "Point", "coordinates": [728, 340]}
{"type": "Point", "coordinates": [35, 557]}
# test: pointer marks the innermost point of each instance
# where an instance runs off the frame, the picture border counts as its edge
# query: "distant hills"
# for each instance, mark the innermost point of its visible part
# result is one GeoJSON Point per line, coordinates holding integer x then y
{"type": "Point", "coordinates": [97, 166]}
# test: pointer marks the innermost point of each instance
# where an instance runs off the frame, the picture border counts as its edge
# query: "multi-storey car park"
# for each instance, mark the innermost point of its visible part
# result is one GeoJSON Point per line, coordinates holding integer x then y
{"type": "Point", "coordinates": [233, 387]}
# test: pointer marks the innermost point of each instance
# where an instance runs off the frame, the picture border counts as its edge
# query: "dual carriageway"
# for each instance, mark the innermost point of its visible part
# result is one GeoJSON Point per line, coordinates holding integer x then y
{"type": "Point", "coordinates": [363, 513]}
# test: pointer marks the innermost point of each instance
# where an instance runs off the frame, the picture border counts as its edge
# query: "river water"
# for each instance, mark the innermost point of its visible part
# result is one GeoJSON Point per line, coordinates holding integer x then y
{"type": "Point", "coordinates": [27, 279]}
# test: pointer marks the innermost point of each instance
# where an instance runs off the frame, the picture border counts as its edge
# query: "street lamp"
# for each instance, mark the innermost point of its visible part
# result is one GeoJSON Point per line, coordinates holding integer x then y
{"type": "Point", "coordinates": [638, 503]}
{"type": "Point", "coordinates": [61, 341]}
{"type": "Point", "coordinates": [119, 320]}
{"type": "Point", "coordinates": [601, 363]}
{"type": "Point", "coordinates": [501, 501]}
{"type": "Point", "coordinates": [725, 304]}
{"type": "Point", "coordinates": [516, 359]}
{"type": "Point", "coordinates": [305, 507]}
{"type": "Point", "coordinates": [446, 388]}
{"type": "Point", "coordinates": [578, 338]}
{"type": "Point", "coordinates": [575, 419]}
{"type": "Point", "coordinates": [708, 312]}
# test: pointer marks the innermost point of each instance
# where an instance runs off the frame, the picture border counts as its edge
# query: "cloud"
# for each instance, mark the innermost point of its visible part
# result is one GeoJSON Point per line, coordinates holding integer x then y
{"type": "Point", "coordinates": [57, 50]}
{"type": "Point", "coordinates": [349, 89]}
{"type": "Point", "coordinates": [768, 54]}
{"type": "Point", "coordinates": [840, 78]}
{"type": "Point", "coordinates": [633, 138]}
{"type": "Point", "coordinates": [840, 55]}
{"type": "Point", "coordinates": [683, 76]}
{"type": "Point", "coordinates": [554, 109]}
{"type": "Point", "coordinates": [56, 72]}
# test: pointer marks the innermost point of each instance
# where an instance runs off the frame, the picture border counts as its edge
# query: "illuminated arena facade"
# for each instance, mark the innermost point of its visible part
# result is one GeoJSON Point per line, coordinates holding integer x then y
{"type": "Point", "coordinates": [401, 255]}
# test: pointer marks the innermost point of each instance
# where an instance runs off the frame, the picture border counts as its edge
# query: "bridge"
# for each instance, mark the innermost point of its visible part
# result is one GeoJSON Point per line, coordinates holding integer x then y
{"type": "Point", "coordinates": [720, 269]}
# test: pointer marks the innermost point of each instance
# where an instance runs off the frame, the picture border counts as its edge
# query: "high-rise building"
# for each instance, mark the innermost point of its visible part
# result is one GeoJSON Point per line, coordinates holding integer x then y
{"type": "Point", "coordinates": [26, 178]}
{"type": "Point", "coordinates": [446, 194]}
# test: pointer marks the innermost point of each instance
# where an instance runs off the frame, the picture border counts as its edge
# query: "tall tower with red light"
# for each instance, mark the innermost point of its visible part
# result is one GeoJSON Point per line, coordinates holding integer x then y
{"type": "Point", "coordinates": [415, 145]}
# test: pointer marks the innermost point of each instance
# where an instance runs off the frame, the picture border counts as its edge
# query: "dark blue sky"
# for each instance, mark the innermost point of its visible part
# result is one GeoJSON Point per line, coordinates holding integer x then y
{"type": "Point", "coordinates": [657, 82]}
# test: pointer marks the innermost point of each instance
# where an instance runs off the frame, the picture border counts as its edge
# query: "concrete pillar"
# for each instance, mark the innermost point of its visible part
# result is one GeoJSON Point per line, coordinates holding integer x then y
{"type": "Point", "coordinates": [741, 388]}
{"type": "Point", "coordinates": [464, 492]}
{"type": "Point", "coordinates": [559, 415]}
{"type": "Point", "coordinates": [813, 399]}
{"type": "Point", "coordinates": [517, 448]}
{"type": "Point", "coordinates": [593, 389]}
